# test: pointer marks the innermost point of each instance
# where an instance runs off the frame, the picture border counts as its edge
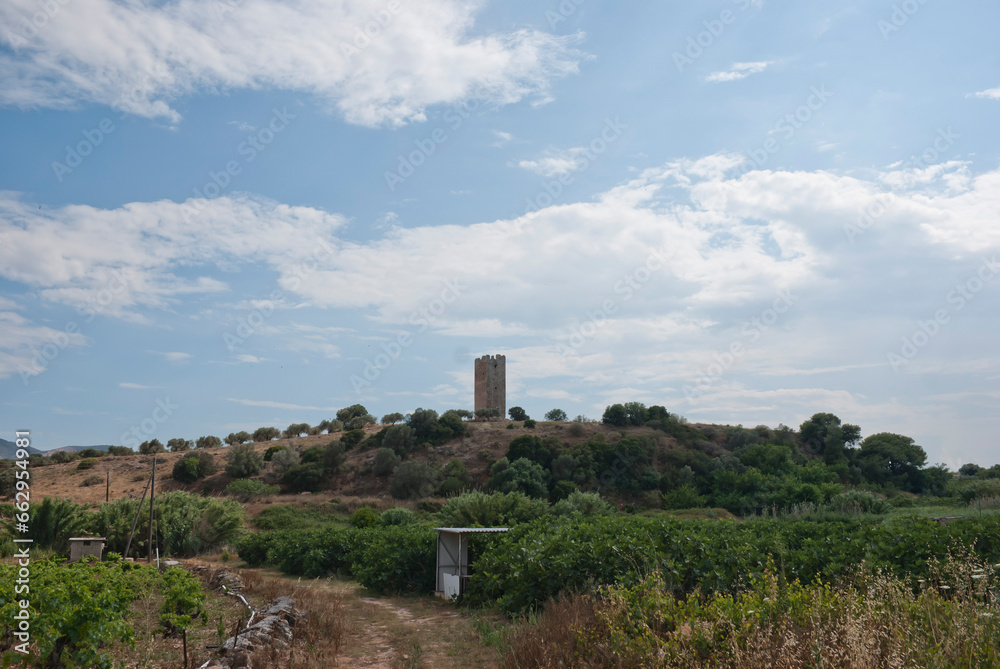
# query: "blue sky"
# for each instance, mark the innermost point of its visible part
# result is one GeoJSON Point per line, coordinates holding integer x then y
{"type": "Point", "coordinates": [221, 215]}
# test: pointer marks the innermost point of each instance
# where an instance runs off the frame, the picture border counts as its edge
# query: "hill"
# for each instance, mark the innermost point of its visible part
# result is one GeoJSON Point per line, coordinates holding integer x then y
{"type": "Point", "coordinates": [8, 449]}
{"type": "Point", "coordinates": [75, 449]}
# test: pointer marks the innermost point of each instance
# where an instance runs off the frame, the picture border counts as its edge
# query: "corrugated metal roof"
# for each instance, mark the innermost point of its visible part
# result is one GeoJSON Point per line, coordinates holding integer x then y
{"type": "Point", "coordinates": [470, 530]}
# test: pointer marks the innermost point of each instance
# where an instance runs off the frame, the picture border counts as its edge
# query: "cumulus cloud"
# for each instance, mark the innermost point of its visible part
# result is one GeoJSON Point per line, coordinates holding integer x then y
{"type": "Point", "coordinates": [375, 63]}
{"type": "Point", "coordinates": [738, 71]}
{"type": "Point", "coordinates": [989, 94]}
{"type": "Point", "coordinates": [557, 162]}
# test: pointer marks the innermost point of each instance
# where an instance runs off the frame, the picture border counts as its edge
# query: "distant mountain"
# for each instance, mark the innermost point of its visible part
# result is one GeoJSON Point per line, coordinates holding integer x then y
{"type": "Point", "coordinates": [68, 449]}
{"type": "Point", "coordinates": [9, 451]}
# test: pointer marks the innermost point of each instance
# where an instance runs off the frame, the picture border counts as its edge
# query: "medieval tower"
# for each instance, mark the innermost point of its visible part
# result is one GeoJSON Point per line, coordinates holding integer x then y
{"type": "Point", "coordinates": [491, 383]}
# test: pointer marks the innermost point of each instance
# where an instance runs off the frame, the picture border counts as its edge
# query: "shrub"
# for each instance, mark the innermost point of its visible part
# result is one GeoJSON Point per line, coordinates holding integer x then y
{"type": "Point", "coordinates": [385, 462]}
{"type": "Point", "coordinates": [238, 438]}
{"type": "Point", "coordinates": [583, 503]}
{"type": "Point", "coordinates": [556, 415]}
{"type": "Point", "coordinates": [615, 415]}
{"type": "Point", "coordinates": [530, 423]}
{"type": "Point", "coordinates": [522, 475]}
{"type": "Point", "coordinates": [413, 480]}
{"type": "Point", "coordinates": [306, 477]}
{"type": "Point", "coordinates": [295, 429]}
{"type": "Point", "coordinates": [364, 517]}
{"type": "Point", "coordinates": [269, 453]}
{"type": "Point", "coordinates": [282, 460]}
{"type": "Point", "coordinates": [150, 447]}
{"type": "Point", "coordinates": [93, 479]}
{"type": "Point", "coordinates": [517, 413]}
{"type": "Point", "coordinates": [576, 429]}
{"type": "Point", "coordinates": [400, 439]}
{"type": "Point", "coordinates": [857, 501]}
{"type": "Point", "coordinates": [91, 453]}
{"type": "Point", "coordinates": [242, 461]}
{"type": "Point", "coordinates": [86, 463]}
{"type": "Point", "coordinates": [179, 445]}
{"type": "Point", "coordinates": [53, 522]}
{"type": "Point", "coordinates": [195, 466]}
{"type": "Point", "coordinates": [684, 497]}
{"type": "Point", "coordinates": [561, 490]}
{"type": "Point", "coordinates": [477, 509]}
{"type": "Point", "coordinates": [208, 442]}
{"type": "Point", "coordinates": [397, 515]}
{"type": "Point", "coordinates": [397, 559]}
{"type": "Point", "coordinates": [247, 489]}
{"type": "Point", "coordinates": [266, 434]}
{"type": "Point", "coordinates": [456, 478]}
{"type": "Point", "coordinates": [352, 438]}
{"type": "Point", "coordinates": [120, 450]}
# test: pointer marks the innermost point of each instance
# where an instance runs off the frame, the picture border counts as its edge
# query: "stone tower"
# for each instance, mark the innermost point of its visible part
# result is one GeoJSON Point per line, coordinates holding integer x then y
{"type": "Point", "coordinates": [491, 383]}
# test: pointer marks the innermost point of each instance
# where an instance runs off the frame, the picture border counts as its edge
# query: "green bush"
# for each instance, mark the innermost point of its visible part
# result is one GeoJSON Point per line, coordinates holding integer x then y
{"type": "Point", "coordinates": [86, 463]}
{"type": "Point", "coordinates": [522, 475]}
{"type": "Point", "coordinates": [242, 461]}
{"type": "Point", "coordinates": [400, 439]}
{"type": "Point", "coordinates": [352, 438]}
{"type": "Point", "coordinates": [477, 509]}
{"type": "Point", "coordinates": [269, 453]}
{"type": "Point", "coordinates": [385, 462]}
{"type": "Point", "coordinates": [397, 559]}
{"type": "Point", "coordinates": [857, 501]}
{"type": "Point", "coordinates": [397, 515]}
{"type": "Point", "coordinates": [209, 441]}
{"type": "Point", "coordinates": [413, 480]}
{"type": "Point", "coordinates": [365, 517]}
{"type": "Point", "coordinates": [583, 503]}
{"type": "Point", "coordinates": [120, 450]}
{"type": "Point", "coordinates": [306, 477]}
{"type": "Point", "coordinates": [247, 489]}
{"type": "Point", "coordinates": [94, 479]}
{"type": "Point", "coordinates": [530, 423]}
{"type": "Point", "coordinates": [52, 523]}
{"type": "Point", "coordinates": [195, 466]}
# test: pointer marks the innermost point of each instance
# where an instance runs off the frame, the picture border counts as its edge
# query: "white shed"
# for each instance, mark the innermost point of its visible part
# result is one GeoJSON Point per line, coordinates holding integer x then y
{"type": "Point", "coordinates": [80, 546]}
{"type": "Point", "coordinates": [453, 558]}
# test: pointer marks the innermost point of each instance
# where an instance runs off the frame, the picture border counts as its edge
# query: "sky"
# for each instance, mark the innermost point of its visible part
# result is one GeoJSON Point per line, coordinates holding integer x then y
{"type": "Point", "coordinates": [222, 214]}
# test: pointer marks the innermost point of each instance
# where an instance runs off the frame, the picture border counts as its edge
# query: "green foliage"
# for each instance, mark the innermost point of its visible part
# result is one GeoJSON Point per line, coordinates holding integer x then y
{"type": "Point", "coordinates": [74, 609]}
{"type": "Point", "coordinates": [684, 497]}
{"type": "Point", "coordinates": [295, 430]}
{"type": "Point", "coordinates": [120, 450]}
{"type": "Point", "coordinates": [431, 429]}
{"type": "Point", "coordinates": [456, 478]}
{"type": "Point", "coordinates": [556, 415]}
{"type": "Point", "coordinates": [582, 503]}
{"type": "Point", "coordinates": [352, 438]}
{"type": "Point", "coordinates": [517, 413]}
{"type": "Point", "coordinates": [530, 423]}
{"type": "Point", "coordinates": [561, 490]}
{"type": "Point", "coordinates": [239, 438]}
{"type": "Point", "coordinates": [413, 480]}
{"type": "Point", "coordinates": [209, 441]}
{"type": "Point", "coordinates": [857, 502]}
{"type": "Point", "coordinates": [186, 524]}
{"type": "Point", "coordinates": [282, 461]}
{"type": "Point", "coordinates": [271, 450]}
{"type": "Point", "coordinates": [183, 601]}
{"type": "Point", "coordinates": [179, 445]}
{"type": "Point", "coordinates": [616, 415]}
{"type": "Point", "coordinates": [533, 448]}
{"type": "Point", "coordinates": [892, 459]}
{"type": "Point", "coordinates": [522, 475]}
{"type": "Point", "coordinates": [392, 418]}
{"type": "Point", "coordinates": [305, 477]}
{"type": "Point", "coordinates": [242, 461]}
{"type": "Point", "coordinates": [330, 426]}
{"type": "Point", "coordinates": [195, 466]}
{"type": "Point", "coordinates": [397, 559]}
{"type": "Point", "coordinates": [266, 434]}
{"type": "Point", "coordinates": [637, 413]}
{"type": "Point", "coordinates": [290, 517]}
{"type": "Point", "coordinates": [397, 515]}
{"type": "Point", "coordinates": [52, 523]}
{"type": "Point", "coordinates": [248, 489]}
{"type": "Point", "coordinates": [400, 439]}
{"type": "Point", "coordinates": [150, 447]}
{"type": "Point", "coordinates": [365, 517]}
{"type": "Point", "coordinates": [86, 463]}
{"type": "Point", "coordinates": [385, 462]}
{"type": "Point", "coordinates": [477, 509]}
{"type": "Point", "coordinates": [92, 480]}
{"type": "Point", "coordinates": [354, 411]}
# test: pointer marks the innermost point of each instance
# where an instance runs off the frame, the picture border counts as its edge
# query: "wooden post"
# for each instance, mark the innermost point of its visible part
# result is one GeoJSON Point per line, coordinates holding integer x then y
{"type": "Point", "coordinates": [138, 510]}
{"type": "Point", "coordinates": [107, 489]}
{"type": "Point", "coordinates": [152, 492]}
{"type": "Point", "coordinates": [184, 637]}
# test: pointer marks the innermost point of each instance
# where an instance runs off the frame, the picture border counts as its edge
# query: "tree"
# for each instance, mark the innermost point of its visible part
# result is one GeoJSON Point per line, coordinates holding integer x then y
{"type": "Point", "coordinates": [615, 415]}
{"type": "Point", "coordinates": [330, 426]}
{"type": "Point", "coordinates": [353, 411]}
{"type": "Point", "coordinates": [657, 412]}
{"type": "Point", "coordinates": [266, 434]}
{"type": "Point", "coordinates": [517, 413]}
{"type": "Point", "coordinates": [149, 447]}
{"type": "Point", "coordinates": [392, 418]}
{"type": "Point", "coordinates": [531, 447]}
{"type": "Point", "coordinates": [487, 414]}
{"type": "Point", "coordinates": [208, 442]}
{"type": "Point", "coordinates": [969, 469]}
{"type": "Point", "coordinates": [637, 413]}
{"type": "Point", "coordinates": [282, 461]}
{"type": "Point", "coordinates": [295, 429]}
{"type": "Point", "coordinates": [892, 459]}
{"type": "Point", "coordinates": [195, 466]}
{"type": "Point", "coordinates": [400, 439]}
{"type": "Point", "coordinates": [238, 437]}
{"type": "Point", "coordinates": [556, 414]}
{"type": "Point", "coordinates": [824, 435]}
{"type": "Point", "coordinates": [385, 462]}
{"type": "Point", "coordinates": [242, 461]}
{"type": "Point", "coordinates": [522, 475]}
{"type": "Point", "coordinates": [413, 480]}
{"type": "Point", "coordinates": [179, 445]}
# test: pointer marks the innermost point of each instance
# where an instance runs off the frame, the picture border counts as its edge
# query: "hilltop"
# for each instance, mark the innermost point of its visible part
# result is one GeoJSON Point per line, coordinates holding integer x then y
{"type": "Point", "coordinates": [8, 450]}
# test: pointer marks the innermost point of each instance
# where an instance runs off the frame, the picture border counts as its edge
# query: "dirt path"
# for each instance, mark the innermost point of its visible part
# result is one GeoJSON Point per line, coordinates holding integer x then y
{"type": "Point", "coordinates": [407, 632]}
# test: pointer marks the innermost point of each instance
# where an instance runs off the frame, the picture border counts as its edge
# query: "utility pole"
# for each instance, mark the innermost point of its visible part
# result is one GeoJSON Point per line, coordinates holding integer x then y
{"type": "Point", "coordinates": [107, 489]}
{"type": "Point", "coordinates": [152, 492]}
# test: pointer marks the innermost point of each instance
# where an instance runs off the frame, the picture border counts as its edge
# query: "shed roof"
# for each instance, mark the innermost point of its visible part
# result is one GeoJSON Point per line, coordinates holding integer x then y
{"type": "Point", "coordinates": [87, 539]}
{"type": "Point", "coordinates": [470, 530]}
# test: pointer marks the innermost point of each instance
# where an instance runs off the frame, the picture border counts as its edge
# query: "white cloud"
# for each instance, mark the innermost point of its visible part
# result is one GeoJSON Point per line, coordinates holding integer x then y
{"type": "Point", "coordinates": [28, 349]}
{"type": "Point", "coordinates": [135, 386]}
{"type": "Point", "coordinates": [141, 57]}
{"type": "Point", "coordinates": [739, 71]}
{"type": "Point", "coordinates": [173, 356]}
{"type": "Point", "coordinates": [502, 138]}
{"type": "Point", "coordinates": [279, 405]}
{"type": "Point", "coordinates": [249, 358]}
{"type": "Point", "coordinates": [989, 94]}
{"type": "Point", "coordinates": [556, 162]}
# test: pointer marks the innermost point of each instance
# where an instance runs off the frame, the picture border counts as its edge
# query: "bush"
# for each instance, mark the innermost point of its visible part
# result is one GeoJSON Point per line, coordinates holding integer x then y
{"type": "Point", "coordinates": [583, 503]}
{"type": "Point", "coordinates": [385, 462]}
{"type": "Point", "coordinates": [93, 479]}
{"type": "Point", "coordinates": [306, 477]}
{"type": "Point", "coordinates": [397, 559]}
{"type": "Point", "coordinates": [517, 413]}
{"type": "Point", "coordinates": [352, 438]}
{"type": "Point", "coordinates": [208, 442]}
{"type": "Point", "coordinates": [238, 438]}
{"type": "Point", "coordinates": [282, 460]}
{"type": "Point", "coordinates": [53, 522]}
{"type": "Point", "coordinates": [857, 501]}
{"type": "Point", "coordinates": [556, 415]}
{"type": "Point", "coordinates": [530, 423]}
{"type": "Point", "coordinates": [364, 517]}
{"type": "Point", "coordinates": [247, 489]}
{"type": "Point", "coordinates": [522, 475]}
{"type": "Point", "coordinates": [269, 453]}
{"type": "Point", "coordinates": [400, 439]}
{"type": "Point", "coordinates": [477, 509]}
{"type": "Point", "coordinates": [150, 447]}
{"type": "Point", "coordinates": [120, 450]}
{"type": "Point", "coordinates": [91, 453]}
{"type": "Point", "coordinates": [397, 515]}
{"type": "Point", "coordinates": [179, 445]}
{"type": "Point", "coordinates": [195, 466]}
{"type": "Point", "coordinates": [242, 461]}
{"type": "Point", "coordinates": [413, 480]}
{"type": "Point", "coordinates": [86, 463]}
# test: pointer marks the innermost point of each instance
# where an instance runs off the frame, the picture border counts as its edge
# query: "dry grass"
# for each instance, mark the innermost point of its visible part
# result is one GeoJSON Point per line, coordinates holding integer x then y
{"type": "Point", "coordinates": [879, 621]}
